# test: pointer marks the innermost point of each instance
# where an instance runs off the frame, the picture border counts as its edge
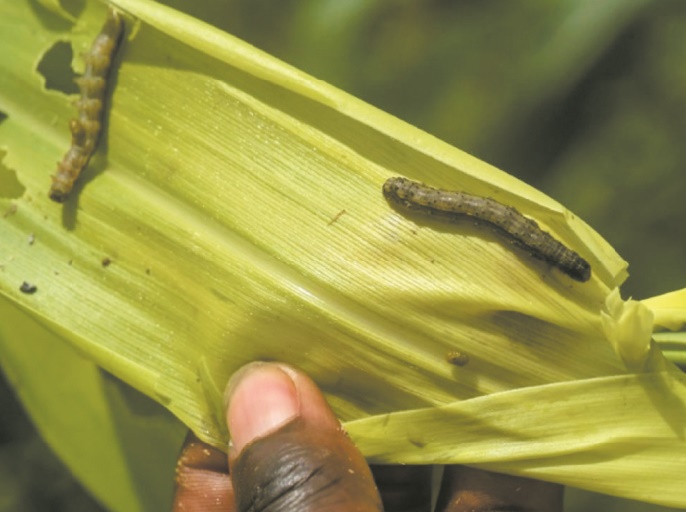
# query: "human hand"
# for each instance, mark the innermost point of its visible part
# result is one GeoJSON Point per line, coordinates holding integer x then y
{"type": "Point", "coordinates": [290, 453]}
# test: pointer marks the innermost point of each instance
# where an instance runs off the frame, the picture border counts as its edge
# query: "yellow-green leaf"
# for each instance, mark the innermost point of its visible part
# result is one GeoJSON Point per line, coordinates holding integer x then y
{"type": "Point", "coordinates": [237, 202]}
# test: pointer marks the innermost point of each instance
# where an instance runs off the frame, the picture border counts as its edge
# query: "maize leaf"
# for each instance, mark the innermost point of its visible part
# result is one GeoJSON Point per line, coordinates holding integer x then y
{"type": "Point", "coordinates": [234, 212]}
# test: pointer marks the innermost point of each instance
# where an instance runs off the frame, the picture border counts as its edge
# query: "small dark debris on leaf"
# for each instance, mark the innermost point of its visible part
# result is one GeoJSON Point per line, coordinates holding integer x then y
{"type": "Point", "coordinates": [28, 288]}
{"type": "Point", "coordinates": [338, 216]}
{"type": "Point", "coordinates": [457, 358]}
{"type": "Point", "coordinates": [106, 262]}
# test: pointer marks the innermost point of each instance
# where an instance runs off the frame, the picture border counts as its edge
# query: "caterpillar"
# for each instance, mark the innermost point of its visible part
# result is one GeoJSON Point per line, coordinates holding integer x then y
{"type": "Point", "coordinates": [506, 220]}
{"type": "Point", "coordinates": [85, 130]}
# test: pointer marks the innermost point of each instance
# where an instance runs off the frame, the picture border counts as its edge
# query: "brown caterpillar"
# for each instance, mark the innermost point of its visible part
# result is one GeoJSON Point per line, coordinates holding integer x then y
{"type": "Point", "coordinates": [85, 130]}
{"type": "Point", "coordinates": [506, 220]}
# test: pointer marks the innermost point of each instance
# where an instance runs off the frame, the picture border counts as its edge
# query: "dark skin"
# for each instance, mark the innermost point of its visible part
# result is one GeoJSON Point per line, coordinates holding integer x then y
{"type": "Point", "coordinates": [290, 453]}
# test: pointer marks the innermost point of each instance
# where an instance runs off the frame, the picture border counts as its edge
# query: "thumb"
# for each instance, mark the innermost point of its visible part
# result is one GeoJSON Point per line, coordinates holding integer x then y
{"type": "Point", "coordinates": [289, 453]}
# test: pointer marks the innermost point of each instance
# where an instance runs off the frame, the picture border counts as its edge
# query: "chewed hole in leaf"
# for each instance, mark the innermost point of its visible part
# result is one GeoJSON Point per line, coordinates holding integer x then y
{"type": "Point", "coordinates": [10, 186]}
{"type": "Point", "coordinates": [55, 67]}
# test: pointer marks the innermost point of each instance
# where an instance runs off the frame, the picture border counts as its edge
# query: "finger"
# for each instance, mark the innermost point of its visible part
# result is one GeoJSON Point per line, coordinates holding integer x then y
{"type": "Point", "coordinates": [289, 452]}
{"type": "Point", "coordinates": [469, 489]}
{"type": "Point", "coordinates": [202, 479]}
{"type": "Point", "coordinates": [404, 488]}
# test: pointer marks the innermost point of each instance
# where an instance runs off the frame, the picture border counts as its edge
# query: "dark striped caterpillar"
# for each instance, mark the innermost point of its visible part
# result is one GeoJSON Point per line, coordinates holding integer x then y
{"type": "Point", "coordinates": [85, 130]}
{"type": "Point", "coordinates": [506, 220]}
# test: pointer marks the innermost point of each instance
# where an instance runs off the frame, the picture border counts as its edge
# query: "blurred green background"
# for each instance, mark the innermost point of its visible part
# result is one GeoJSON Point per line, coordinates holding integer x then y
{"type": "Point", "coordinates": [584, 99]}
